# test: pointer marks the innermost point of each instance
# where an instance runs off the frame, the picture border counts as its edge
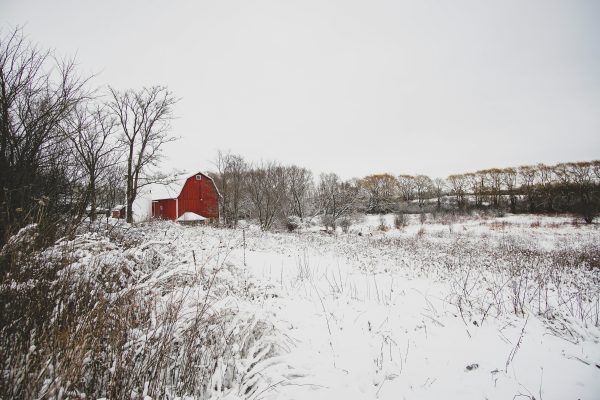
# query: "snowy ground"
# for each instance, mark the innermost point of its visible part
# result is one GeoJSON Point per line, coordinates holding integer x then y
{"type": "Point", "coordinates": [467, 309]}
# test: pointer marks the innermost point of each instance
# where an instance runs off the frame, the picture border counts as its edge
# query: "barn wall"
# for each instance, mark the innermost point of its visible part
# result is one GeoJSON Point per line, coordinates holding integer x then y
{"type": "Point", "coordinates": [168, 209]}
{"type": "Point", "coordinates": [200, 197]}
{"type": "Point", "coordinates": [197, 196]}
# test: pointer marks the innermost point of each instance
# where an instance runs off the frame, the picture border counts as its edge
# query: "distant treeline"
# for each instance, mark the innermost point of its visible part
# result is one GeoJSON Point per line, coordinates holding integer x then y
{"type": "Point", "coordinates": [272, 192]}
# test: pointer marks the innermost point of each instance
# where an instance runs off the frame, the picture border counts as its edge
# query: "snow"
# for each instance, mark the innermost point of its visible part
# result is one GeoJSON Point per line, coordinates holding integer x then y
{"type": "Point", "coordinates": [378, 315]}
{"type": "Point", "coordinates": [190, 216]}
{"type": "Point", "coordinates": [170, 191]}
{"type": "Point", "coordinates": [373, 328]}
{"type": "Point", "coordinates": [469, 307]}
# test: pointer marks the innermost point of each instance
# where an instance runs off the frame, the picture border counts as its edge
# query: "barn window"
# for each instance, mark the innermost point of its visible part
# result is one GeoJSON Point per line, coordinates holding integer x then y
{"type": "Point", "coordinates": [198, 177]}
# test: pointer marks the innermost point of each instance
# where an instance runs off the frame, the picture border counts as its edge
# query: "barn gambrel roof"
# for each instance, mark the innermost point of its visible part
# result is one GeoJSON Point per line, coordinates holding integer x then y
{"type": "Point", "coordinates": [173, 190]}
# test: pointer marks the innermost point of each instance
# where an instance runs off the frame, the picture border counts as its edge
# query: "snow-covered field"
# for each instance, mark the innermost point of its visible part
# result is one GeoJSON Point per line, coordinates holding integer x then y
{"type": "Point", "coordinates": [477, 309]}
{"type": "Point", "coordinates": [472, 308]}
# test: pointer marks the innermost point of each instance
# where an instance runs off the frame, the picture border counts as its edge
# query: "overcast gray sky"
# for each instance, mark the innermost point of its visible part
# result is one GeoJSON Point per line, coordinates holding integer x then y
{"type": "Point", "coordinates": [354, 87]}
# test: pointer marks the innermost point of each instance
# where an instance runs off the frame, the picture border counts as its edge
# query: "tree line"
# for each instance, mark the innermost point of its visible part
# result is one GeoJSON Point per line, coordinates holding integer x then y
{"type": "Point", "coordinates": [272, 193]}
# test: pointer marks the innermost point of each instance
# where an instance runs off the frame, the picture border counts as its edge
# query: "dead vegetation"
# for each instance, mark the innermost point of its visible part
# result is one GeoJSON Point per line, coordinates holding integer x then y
{"type": "Point", "coordinates": [94, 317]}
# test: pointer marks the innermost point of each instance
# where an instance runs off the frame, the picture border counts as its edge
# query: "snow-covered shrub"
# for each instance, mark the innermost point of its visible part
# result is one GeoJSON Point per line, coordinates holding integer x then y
{"type": "Point", "coordinates": [328, 221]}
{"type": "Point", "coordinates": [94, 317]}
{"type": "Point", "coordinates": [382, 224]}
{"type": "Point", "coordinates": [293, 222]}
{"type": "Point", "coordinates": [400, 221]}
{"type": "Point", "coordinates": [345, 224]}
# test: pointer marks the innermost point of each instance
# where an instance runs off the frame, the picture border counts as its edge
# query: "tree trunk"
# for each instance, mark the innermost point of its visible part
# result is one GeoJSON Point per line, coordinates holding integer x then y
{"type": "Point", "coordinates": [129, 194]}
{"type": "Point", "coordinates": [129, 199]}
{"type": "Point", "coordinates": [92, 199]}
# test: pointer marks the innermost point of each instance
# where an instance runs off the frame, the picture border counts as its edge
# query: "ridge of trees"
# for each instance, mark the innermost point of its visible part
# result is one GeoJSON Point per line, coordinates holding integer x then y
{"type": "Point", "coordinates": [269, 192]}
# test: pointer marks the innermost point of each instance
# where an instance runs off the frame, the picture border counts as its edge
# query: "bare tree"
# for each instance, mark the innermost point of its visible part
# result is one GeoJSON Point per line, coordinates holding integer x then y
{"type": "Point", "coordinates": [231, 172]}
{"type": "Point", "coordinates": [476, 185]}
{"type": "Point", "coordinates": [112, 189]}
{"type": "Point", "coordinates": [509, 179]}
{"type": "Point", "coordinates": [596, 170]}
{"type": "Point", "coordinates": [458, 185]}
{"type": "Point", "coordinates": [266, 189]}
{"type": "Point", "coordinates": [585, 189]}
{"type": "Point", "coordinates": [144, 116]}
{"type": "Point", "coordinates": [406, 185]}
{"type": "Point", "coordinates": [92, 133]}
{"type": "Point", "coordinates": [528, 176]}
{"type": "Point", "coordinates": [439, 186]}
{"type": "Point", "coordinates": [493, 186]}
{"type": "Point", "coordinates": [423, 188]}
{"type": "Point", "coordinates": [381, 190]}
{"type": "Point", "coordinates": [37, 93]}
{"type": "Point", "coordinates": [547, 181]}
{"type": "Point", "coordinates": [337, 198]}
{"type": "Point", "coordinates": [299, 188]}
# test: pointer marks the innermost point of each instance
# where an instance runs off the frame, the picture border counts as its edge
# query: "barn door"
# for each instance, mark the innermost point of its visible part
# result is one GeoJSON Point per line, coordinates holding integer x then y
{"type": "Point", "coordinates": [156, 210]}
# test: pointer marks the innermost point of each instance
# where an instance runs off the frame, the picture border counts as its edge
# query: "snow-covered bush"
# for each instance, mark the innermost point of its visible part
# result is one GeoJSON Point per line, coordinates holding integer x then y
{"type": "Point", "coordinates": [400, 221]}
{"type": "Point", "coordinates": [345, 224]}
{"type": "Point", "coordinates": [328, 221]}
{"type": "Point", "coordinates": [383, 226]}
{"type": "Point", "coordinates": [293, 222]}
{"type": "Point", "coordinates": [97, 317]}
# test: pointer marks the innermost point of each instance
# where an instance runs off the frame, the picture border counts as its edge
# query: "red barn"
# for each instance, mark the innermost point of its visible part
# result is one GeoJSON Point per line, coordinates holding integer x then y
{"type": "Point", "coordinates": [198, 195]}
